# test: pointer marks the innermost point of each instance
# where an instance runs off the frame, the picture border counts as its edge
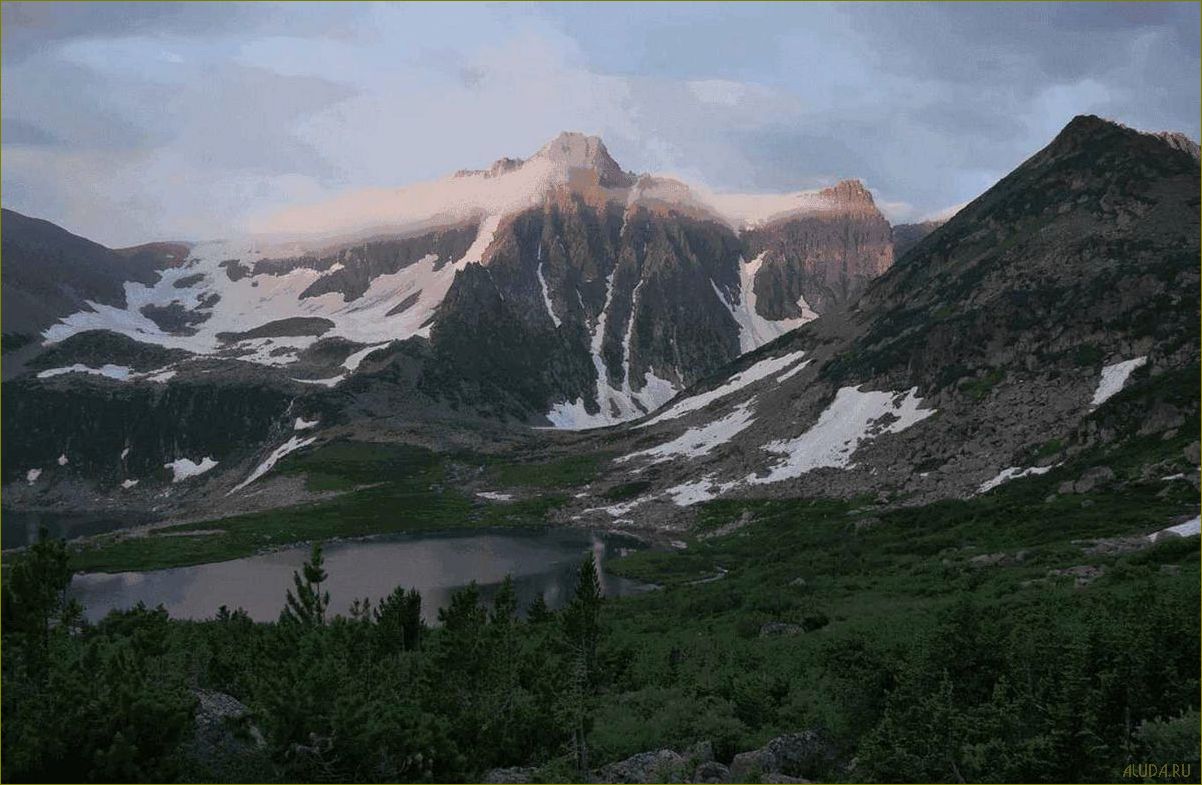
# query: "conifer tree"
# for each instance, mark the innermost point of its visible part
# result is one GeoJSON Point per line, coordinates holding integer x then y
{"type": "Point", "coordinates": [581, 633]}
{"type": "Point", "coordinates": [307, 606]}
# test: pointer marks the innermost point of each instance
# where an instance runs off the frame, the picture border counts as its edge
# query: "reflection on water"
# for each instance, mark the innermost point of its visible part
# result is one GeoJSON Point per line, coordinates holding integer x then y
{"type": "Point", "coordinates": [20, 527]}
{"type": "Point", "coordinates": [542, 562]}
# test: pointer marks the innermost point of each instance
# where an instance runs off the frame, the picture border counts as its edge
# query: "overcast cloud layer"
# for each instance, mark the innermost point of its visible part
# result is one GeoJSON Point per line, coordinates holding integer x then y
{"type": "Point", "coordinates": [127, 123]}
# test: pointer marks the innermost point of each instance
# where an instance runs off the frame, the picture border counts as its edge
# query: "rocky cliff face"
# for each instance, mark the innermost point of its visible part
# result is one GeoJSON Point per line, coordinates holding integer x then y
{"type": "Point", "coordinates": [113, 432]}
{"type": "Point", "coordinates": [821, 261]}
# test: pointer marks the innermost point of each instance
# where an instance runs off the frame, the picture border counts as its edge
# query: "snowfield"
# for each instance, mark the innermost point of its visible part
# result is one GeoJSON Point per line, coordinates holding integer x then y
{"type": "Point", "coordinates": [185, 468]}
{"type": "Point", "coordinates": [1191, 528]}
{"type": "Point", "coordinates": [1012, 473]}
{"type": "Point", "coordinates": [755, 330]}
{"type": "Point", "coordinates": [292, 445]}
{"type": "Point", "coordinates": [203, 293]}
{"type": "Point", "coordinates": [701, 439]}
{"type": "Point", "coordinates": [1114, 376]}
{"type": "Point", "coordinates": [852, 418]}
{"type": "Point", "coordinates": [119, 372]}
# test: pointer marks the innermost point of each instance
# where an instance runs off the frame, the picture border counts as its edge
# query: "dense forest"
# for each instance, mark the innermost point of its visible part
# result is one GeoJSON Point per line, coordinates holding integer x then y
{"type": "Point", "coordinates": [994, 683]}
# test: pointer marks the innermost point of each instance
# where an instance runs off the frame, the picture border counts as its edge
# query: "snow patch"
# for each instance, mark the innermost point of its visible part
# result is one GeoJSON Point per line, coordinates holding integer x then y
{"type": "Point", "coordinates": [127, 484]}
{"type": "Point", "coordinates": [853, 418]}
{"type": "Point", "coordinates": [495, 496]}
{"type": "Point", "coordinates": [333, 380]}
{"type": "Point", "coordinates": [542, 282]}
{"type": "Point", "coordinates": [302, 424]}
{"type": "Point", "coordinates": [63, 460]}
{"type": "Point", "coordinates": [354, 359]}
{"type": "Point", "coordinates": [738, 381]}
{"type": "Point", "coordinates": [1190, 528]}
{"type": "Point", "coordinates": [695, 492]}
{"type": "Point", "coordinates": [700, 440]}
{"type": "Point", "coordinates": [184, 468]}
{"type": "Point", "coordinates": [119, 372]}
{"type": "Point", "coordinates": [293, 444]}
{"type": "Point", "coordinates": [1114, 376]}
{"type": "Point", "coordinates": [755, 330]}
{"type": "Point", "coordinates": [1012, 473]}
{"type": "Point", "coordinates": [616, 404]}
{"type": "Point", "coordinates": [32, 475]}
{"type": "Point", "coordinates": [618, 510]}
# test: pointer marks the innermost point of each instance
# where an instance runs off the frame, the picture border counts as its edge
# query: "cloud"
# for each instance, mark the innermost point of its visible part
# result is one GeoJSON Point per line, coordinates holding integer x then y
{"type": "Point", "coordinates": [128, 122]}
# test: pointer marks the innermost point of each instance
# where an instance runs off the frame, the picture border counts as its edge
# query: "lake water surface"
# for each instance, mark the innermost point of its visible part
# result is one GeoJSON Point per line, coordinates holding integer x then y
{"type": "Point", "coordinates": [543, 562]}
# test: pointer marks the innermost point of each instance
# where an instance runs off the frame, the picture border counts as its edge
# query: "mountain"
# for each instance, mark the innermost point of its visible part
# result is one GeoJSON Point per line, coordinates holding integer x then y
{"type": "Point", "coordinates": [556, 290]}
{"type": "Point", "coordinates": [622, 289]}
{"type": "Point", "coordinates": [906, 236]}
{"type": "Point", "coordinates": [1051, 322]}
{"type": "Point", "coordinates": [51, 273]}
{"type": "Point", "coordinates": [742, 345]}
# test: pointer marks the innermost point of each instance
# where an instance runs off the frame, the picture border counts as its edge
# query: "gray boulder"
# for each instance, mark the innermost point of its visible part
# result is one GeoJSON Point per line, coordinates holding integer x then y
{"type": "Point", "coordinates": [1094, 477]}
{"type": "Point", "coordinates": [661, 766]}
{"type": "Point", "coordinates": [788, 758]}
{"type": "Point", "coordinates": [752, 765]}
{"type": "Point", "coordinates": [801, 754]}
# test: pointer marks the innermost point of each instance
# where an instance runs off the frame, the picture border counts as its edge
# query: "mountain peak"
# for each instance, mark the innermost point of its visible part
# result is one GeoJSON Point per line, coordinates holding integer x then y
{"type": "Point", "coordinates": [849, 193]}
{"type": "Point", "coordinates": [574, 150]}
{"type": "Point", "coordinates": [1087, 129]}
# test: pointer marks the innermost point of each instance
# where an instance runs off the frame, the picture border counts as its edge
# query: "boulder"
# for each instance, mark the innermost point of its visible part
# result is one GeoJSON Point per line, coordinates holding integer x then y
{"type": "Point", "coordinates": [753, 765]}
{"type": "Point", "coordinates": [219, 717]}
{"type": "Point", "coordinates": [710, 771]}
{"type": "Point", "coordinates": [1094, 477]}
{"type": "Point", "coordinates": [1191, 452]}
{"type": "Point", "coordinates": [802, 754]}
{"type": "Point", "coordinates": [1082, 574]}
{"type": "Point", "coordinates": [661, 766]}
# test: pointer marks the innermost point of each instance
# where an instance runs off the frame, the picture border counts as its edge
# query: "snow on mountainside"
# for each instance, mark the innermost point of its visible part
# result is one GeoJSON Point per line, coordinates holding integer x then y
{"type": "Point", "coordinates": [643, 278]}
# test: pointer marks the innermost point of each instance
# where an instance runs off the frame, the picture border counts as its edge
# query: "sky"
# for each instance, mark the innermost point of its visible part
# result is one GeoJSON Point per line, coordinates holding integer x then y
{"type": "Point", "coordinates": [135, 122]}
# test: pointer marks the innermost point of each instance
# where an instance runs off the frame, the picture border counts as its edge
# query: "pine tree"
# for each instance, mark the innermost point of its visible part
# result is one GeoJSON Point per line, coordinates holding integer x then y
{"type": "Point", "coordinates": [581, 634]}
{"type": "Point", "coordinates": [35, 591]}
{"type": "Point", "coordinates": [538, 612]}
{"type": "Point", "coordinates": [399, 621]}
{"type": "Point", "coordinates": [307, 606]}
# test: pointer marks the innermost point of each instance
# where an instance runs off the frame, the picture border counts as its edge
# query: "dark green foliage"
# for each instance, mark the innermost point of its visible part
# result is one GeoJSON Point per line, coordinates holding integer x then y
{"type": "Point", "coordinates": [919, 665]}
{"type": "Point", "coordinates": [307, 606]}
{"type": "Point", "coordinates": [398, 620]}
